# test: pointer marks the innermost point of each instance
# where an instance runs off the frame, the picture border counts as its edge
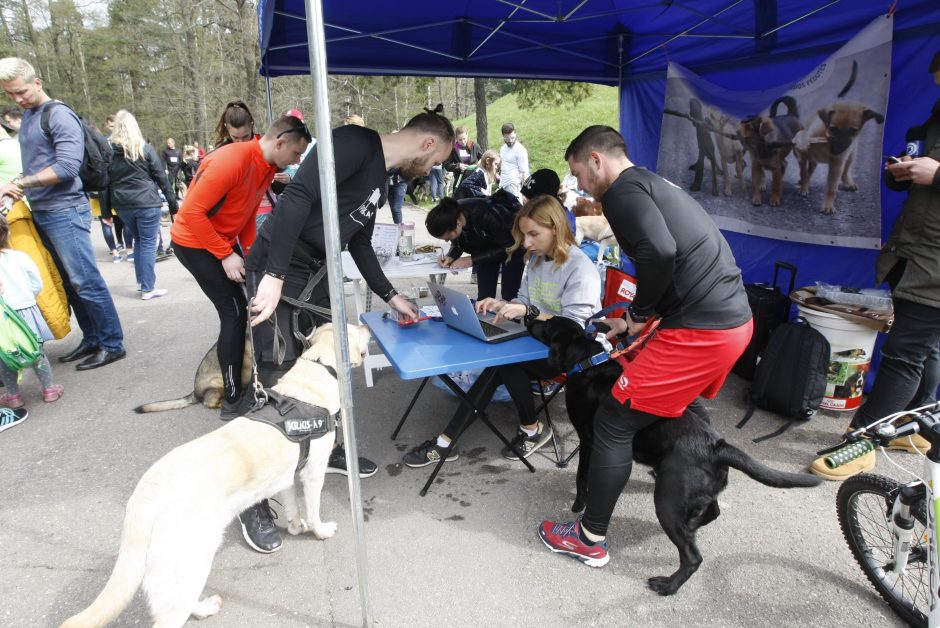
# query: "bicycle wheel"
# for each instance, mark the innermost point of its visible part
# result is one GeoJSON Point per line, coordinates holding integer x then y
{"type": "Point", "coordinates": [864, 508]}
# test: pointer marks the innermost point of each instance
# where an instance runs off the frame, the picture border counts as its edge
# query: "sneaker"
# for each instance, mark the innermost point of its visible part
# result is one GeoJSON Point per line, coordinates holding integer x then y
{"type": "Point", "coordinates": [234, 409]}
{"type": "Point", "coordinates": [11, 418]}
{"type": "Point", "coordinates": [116, 258]}
{"type": "Point", "coordinates": [156, 293]}
{"type": "Point", "coordinates": [546, 387]}
{"type": "Point", "coordinates": [563, 538]}
{"type": "Point", "coordinates": [337, 464]}
{"type": "Point", "coordinates": [850, 464]}
{"type": "Point", "coordinates": [12, 400]}
{"type": "Point", "coordinates": [52, 393]}
{"type": "Point", "coordinates": [258, 528]}
{"type": "Point", "coordinates": [528, 444]}
{"type": "Point", "coordinates": [130, 257]}
{"type": "Point", "coordinates": [428, 453]}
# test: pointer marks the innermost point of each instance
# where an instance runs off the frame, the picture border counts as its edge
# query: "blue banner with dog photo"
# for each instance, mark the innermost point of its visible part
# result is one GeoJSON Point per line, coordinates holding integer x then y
{"type": "Point", "coordinates": [801, 162]}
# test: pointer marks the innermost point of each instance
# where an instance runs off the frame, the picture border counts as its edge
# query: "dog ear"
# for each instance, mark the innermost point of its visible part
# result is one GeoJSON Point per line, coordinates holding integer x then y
{"type": "Point", "coordinates": [872, 115]}
{"type": "Point", "coordinates": [766, 127]}
{"type": "Point", "coordinates": [825, 114]}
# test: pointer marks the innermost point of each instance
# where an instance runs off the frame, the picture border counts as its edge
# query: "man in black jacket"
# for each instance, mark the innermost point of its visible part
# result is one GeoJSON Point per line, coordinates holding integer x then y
{"type": "Point", "coordinates": [481, 227]}
{"type": "Point", "coordinates": [171, 163]}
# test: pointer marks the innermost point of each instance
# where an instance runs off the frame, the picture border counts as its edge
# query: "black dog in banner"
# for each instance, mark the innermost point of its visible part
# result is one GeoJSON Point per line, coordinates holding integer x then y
{"type": "Point", "coordinates": [689, 459]}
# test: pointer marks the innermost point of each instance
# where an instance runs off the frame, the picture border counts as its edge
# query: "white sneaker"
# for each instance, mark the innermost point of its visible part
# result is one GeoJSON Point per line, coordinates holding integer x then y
{"type": "Point", "coordinates": [156, 293]}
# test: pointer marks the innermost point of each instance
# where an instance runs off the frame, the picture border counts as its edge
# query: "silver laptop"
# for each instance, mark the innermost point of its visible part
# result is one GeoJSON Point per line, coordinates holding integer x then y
{"type": "Point", "coordinates": [457, 311]}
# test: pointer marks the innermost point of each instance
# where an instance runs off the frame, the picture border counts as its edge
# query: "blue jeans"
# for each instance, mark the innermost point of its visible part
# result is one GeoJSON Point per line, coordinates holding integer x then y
{"type": "Point", "coordinates": [143, 225]}
{"type": "Point", "coordinates": [910, 368]}
{"type": "Point", "coordinates": [67, 234]}
{"type": "Point", "coordinates": [396, 198]}
{"type": "Point", "coordinates": [437, 183]}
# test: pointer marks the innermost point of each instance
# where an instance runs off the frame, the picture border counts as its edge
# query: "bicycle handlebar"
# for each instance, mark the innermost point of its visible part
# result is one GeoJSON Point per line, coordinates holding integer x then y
{"type": "Point", "coordinates": [924, 420]}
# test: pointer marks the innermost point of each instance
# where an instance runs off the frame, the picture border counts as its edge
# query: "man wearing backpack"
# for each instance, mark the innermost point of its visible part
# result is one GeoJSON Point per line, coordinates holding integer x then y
{"type": "Point", "coordinates": [50, 180]}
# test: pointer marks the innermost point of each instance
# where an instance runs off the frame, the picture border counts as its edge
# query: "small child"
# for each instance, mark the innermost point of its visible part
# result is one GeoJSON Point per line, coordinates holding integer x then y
{"type": "Point", "coordinates": [20, 282]}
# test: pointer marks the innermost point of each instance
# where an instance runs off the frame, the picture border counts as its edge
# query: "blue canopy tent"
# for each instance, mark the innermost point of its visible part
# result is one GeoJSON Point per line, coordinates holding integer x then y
{"type": "Point", "coordinates": [732, 43]}
{"type": "Point", "coordinates": [752, 43]}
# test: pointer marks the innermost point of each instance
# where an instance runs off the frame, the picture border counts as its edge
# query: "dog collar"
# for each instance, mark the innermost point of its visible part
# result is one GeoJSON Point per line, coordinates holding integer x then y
{"type": "Point", "coordinates": [625, 346]}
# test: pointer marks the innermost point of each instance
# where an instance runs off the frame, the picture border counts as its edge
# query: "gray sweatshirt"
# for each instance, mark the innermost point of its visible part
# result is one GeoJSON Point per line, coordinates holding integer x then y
{"type": "Point", "coordinates": [572, 290]}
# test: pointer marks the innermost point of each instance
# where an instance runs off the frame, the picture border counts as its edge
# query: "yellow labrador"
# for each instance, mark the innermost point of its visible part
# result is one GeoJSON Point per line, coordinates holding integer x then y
{"type": "Point", "coordinates": [178, 512]}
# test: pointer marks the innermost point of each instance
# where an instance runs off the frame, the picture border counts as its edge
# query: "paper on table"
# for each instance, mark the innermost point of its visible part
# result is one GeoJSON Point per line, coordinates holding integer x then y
{"type": "Point", "coordinates": [421, 258]}
{"type": "Point", "coordinates": [430, 310]}
{"type": "Point", "coordinates": [385, 236]}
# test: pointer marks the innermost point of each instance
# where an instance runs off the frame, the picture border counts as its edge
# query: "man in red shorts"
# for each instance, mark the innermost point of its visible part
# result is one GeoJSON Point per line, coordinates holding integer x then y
{"type": "Point", "coordinates": [687, 276]}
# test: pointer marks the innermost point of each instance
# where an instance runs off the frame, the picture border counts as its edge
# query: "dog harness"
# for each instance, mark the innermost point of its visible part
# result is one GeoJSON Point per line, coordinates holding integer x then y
{"type": "Point", "coordinates": [296, 420]}
{"type": "Point", "coordinates": [624, 346]}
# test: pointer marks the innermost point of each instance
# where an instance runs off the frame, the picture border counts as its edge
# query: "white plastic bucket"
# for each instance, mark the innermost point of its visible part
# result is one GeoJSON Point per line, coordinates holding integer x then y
{"type": "Point", "coordinates": [851, 345]}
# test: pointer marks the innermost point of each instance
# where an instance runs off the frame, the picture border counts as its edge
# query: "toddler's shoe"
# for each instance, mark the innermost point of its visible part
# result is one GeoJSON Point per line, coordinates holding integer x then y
{"type": "Point", "coordinates": [52, 393]}
{"type": "Point", "coordinates": [14, 401]}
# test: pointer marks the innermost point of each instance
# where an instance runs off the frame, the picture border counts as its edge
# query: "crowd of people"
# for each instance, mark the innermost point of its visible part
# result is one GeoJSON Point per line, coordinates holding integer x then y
{"type": "Point", "coordinates": [249, 227]}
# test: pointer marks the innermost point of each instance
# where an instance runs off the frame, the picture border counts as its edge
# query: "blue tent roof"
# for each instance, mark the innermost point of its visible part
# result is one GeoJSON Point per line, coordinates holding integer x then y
{"type": "Point", "coordinates": [586, 40]}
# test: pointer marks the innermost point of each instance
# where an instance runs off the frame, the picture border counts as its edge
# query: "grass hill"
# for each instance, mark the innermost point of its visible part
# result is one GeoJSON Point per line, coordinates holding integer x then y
{"type": "Point", "coordinates": [546, 132]}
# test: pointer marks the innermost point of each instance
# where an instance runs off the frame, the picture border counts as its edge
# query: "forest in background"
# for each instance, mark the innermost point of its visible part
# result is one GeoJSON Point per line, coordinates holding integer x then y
{"type": "Point", "coordinates": [176, 63]}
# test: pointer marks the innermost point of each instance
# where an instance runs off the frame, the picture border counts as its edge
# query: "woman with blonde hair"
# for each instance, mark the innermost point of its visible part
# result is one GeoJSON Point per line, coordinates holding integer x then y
{"type": "Point", "coordinates": [135, 168]}
{"type": "Point", "coordinates": [479, 182]}
{"type": "Point", "coordinates": [560, 280]}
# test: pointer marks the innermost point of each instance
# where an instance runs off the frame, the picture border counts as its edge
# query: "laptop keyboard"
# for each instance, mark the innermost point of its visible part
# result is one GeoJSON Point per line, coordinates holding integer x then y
{"type": "Point", "coordinates": [490, 330]}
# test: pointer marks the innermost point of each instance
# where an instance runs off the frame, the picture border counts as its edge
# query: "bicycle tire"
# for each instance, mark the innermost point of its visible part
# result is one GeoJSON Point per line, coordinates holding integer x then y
{"type": "Point", "coordinates": [863, 507]}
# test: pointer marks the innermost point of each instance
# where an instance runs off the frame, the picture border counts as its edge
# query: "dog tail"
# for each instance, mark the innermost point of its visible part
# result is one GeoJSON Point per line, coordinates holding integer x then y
{"type": "Point", "coordinates": [169, 404]}
{"type": "Point", "coordinates": [733, 457]}
{"type": "Point", "coordinates": [852, 76]}
{"type": "Point", "coordinates": [126, 577]}
{"type": "Point", "coordinates": [790, 102]}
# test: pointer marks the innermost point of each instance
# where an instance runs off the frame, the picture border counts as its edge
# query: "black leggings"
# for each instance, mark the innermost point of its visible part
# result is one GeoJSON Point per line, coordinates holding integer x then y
{"type": "Point", "coordinates": [488, 276]}
{"type": "Point", "coordinates": [229, 300]}
{"type": "Point", "coordinates": [615, 425]}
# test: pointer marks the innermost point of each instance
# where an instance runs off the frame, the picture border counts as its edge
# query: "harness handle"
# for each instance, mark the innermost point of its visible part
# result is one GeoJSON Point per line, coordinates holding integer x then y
{"type": "Point", "coordinates": [602, 313]}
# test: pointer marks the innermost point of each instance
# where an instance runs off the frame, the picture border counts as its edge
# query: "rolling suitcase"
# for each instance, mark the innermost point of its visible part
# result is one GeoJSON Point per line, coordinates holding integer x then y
{"type": "Point", "coordinates": [769, 307]}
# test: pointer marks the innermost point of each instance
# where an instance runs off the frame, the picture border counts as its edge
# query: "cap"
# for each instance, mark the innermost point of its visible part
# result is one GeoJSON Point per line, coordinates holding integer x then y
{"type": "Point", "coordinates": [295, 113]}
{"type": "Point", "coordinates": [540, 182]}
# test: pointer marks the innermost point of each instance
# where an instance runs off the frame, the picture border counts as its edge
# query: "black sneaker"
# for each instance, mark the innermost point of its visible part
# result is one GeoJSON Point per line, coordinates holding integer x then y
{"type": "Point", "coordinates": [234, 409]}
{"type": "Point", "coordinates": [528, 444]}
{"type": "Point", "coordinates": [428, 453]}
{"type": "Point", "coordinates": [337, 464]}
{"type": "Point", "coordinates": [258, 528]}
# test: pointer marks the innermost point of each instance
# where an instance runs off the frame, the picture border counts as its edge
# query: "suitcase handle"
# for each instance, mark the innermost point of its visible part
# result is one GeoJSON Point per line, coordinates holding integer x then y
{"type": "Point", "coordinates": [789, 267]}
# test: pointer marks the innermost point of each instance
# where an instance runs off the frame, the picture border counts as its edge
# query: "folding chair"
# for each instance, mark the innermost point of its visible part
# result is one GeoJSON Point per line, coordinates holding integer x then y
{"type": "Point", "coordinates": [560, 462]}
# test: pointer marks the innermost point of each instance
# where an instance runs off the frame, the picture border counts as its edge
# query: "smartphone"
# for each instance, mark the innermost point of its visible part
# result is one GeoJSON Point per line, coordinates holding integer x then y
{"type": "Point", "coordinates": [891, 159]}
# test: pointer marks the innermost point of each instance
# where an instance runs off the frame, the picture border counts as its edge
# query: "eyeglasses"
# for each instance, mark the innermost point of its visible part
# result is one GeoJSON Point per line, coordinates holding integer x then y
{"type": "Point", "coordinates": [297, 129]}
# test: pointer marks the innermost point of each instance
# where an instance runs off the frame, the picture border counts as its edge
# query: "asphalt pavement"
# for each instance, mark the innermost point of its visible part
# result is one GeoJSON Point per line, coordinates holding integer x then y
{"type": "Point", "coordinates": [467, 554]}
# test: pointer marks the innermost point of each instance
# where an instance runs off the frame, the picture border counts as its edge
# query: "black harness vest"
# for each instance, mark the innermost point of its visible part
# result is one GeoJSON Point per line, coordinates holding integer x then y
{"type": "Point", "coordinates": [297, 421]}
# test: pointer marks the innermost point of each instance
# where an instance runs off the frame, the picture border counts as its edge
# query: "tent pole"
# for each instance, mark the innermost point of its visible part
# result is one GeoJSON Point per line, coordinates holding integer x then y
{"type": "Point", "coordinates": [327, 171]}
{"type": "Point", "coordinates": [267, 90]}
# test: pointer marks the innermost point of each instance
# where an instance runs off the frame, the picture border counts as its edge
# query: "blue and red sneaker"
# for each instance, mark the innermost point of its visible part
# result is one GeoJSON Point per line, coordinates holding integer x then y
{"type": "Point", "coordinates": [563, 538]}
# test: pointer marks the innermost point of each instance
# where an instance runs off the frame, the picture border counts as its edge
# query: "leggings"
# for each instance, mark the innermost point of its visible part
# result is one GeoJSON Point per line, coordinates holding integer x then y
{"type": "Point", "coordinates": [43, 371]}
{"type": "Point", "coordinates": [229, 300]}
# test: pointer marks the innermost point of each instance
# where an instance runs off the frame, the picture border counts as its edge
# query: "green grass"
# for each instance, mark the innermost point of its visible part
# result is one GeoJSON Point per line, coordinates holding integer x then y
{"type": "Point", "coordinates": [546, 132]}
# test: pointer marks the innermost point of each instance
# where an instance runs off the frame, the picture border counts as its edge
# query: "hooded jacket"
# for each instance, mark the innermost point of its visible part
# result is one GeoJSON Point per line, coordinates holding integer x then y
{"type": "Point", "coordinates": [134, 183]}
{"type": "Point", "coordinates": [489, 227]}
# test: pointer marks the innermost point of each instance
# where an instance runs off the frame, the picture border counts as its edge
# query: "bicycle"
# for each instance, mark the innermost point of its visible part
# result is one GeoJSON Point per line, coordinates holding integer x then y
{"type": "Point", "coordinates": [889, 528]}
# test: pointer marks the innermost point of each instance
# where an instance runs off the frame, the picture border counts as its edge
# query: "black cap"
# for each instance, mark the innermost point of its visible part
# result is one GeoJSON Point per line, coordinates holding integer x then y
{"type": "Point", "coordinates": [935, 63]}
{"type": "Point", "coordinates": [540, 182]}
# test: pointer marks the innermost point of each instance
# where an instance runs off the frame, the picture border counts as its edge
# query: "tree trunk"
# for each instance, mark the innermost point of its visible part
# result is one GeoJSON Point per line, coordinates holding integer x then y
{"type": "Point", "coordinates": [479, 102]}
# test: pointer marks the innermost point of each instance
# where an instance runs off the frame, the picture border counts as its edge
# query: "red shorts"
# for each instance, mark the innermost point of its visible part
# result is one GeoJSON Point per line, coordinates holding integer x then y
{"type": "Point", "coordinates": [678, 365]}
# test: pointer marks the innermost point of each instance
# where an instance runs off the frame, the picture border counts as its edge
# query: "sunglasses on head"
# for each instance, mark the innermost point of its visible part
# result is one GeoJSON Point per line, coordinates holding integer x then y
{"type": "Point", "coordinates": [297, 129]}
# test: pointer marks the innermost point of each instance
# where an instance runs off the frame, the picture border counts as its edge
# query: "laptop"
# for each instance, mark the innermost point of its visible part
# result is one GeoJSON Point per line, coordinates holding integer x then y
{"type": "Point", "coordinates": [457, 311]}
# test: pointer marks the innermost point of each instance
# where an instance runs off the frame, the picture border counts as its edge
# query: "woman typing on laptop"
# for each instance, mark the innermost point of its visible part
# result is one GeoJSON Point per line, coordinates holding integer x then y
{"type": "Point", "coordinates": [560, 281]}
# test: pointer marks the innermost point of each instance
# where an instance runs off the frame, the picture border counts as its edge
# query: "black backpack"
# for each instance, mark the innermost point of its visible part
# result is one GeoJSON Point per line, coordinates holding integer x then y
{"type": "Point", "coordinates": [790, 378]}
{"type": "Point", "coordinates": [97, 156]}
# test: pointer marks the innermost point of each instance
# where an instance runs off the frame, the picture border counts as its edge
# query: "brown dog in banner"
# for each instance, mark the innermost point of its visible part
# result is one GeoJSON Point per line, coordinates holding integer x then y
{"type": "Point", "coordinates": [831, 139]}
{"type": "Point", "coordinates": [768, 140]}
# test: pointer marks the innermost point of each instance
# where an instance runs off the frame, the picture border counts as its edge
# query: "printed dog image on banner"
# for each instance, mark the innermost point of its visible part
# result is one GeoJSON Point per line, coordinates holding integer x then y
{"type": "Point", "coordinates": [800, 162]}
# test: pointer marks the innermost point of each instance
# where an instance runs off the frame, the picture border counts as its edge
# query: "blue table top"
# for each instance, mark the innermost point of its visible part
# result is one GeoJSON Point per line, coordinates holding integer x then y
{"type": "Point", "coordinates": [432, 348]}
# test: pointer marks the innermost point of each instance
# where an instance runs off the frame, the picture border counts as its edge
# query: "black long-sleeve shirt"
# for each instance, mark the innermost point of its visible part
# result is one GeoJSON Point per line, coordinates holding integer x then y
{"type": "Point", "coordinates": [686, 272]}
{"type": "Point", "coordinates": [489, 227]}
{"type": "Point", "coordinates": [298, 218]}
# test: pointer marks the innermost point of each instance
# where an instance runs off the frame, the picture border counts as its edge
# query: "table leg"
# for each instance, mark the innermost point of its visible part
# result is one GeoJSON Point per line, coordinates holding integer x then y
{"type": "Point", "coordinates": [473, 403]}
{"type": "Point", "coordinates": [410, 406]}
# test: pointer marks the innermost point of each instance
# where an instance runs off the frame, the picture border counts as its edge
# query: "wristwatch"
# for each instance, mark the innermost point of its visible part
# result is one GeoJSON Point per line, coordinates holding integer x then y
{"type": "Point", "coordinates": [531, 313]}
{"type": "Point", "coordinates": [637, 318]}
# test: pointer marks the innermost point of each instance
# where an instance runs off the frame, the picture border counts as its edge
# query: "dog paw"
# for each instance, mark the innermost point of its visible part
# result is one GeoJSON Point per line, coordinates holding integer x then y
{"type": "Point", "coordinates": [774, 202]}
{"type": "Point", "coordinates": [207, 607]}
{"type": "Point", "coordinates": [297, 526]}
{"type": "Point", "coordinates": [848, 187]}
{"type": "Point", "coordinates": [662, 585]}
{"type": "Point", "coordinates": [325, 530]}
{"type": "Point", "coordinates": [826, 211]}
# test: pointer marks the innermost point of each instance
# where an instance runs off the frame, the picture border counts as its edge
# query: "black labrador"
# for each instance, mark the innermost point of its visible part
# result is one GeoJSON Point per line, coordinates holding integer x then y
{"type": "Point", "coordinates": [689, 459]}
